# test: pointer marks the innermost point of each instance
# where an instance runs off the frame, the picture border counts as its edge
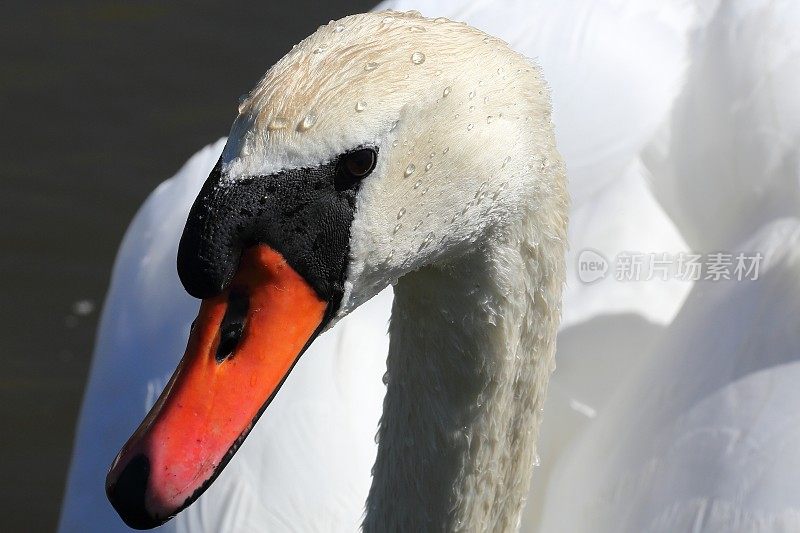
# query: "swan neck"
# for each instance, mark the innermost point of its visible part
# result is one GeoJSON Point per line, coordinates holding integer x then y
{"type": "Point", "coordinates": [470, 355]}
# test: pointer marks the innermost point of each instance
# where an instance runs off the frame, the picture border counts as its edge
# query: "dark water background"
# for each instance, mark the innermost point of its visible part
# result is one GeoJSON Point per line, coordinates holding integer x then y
{"type": "Point", "coordinates": [99, 102]}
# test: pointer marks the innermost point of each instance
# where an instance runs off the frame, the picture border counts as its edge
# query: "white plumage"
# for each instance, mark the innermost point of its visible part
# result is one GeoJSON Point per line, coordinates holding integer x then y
{"type": "Point", "coordinates": [644, 93]}
{"type": "Point", "coordinates": [702, 435]}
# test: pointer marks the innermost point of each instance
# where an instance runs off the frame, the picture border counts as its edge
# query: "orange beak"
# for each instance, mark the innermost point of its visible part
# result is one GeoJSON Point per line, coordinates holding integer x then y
{"type": "Point", "coordinates": [244, 343]}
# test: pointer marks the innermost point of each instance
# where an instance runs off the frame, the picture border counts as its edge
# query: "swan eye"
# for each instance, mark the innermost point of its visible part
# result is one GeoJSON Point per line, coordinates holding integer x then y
{"type": "Point", "coordinates": [358, 164]}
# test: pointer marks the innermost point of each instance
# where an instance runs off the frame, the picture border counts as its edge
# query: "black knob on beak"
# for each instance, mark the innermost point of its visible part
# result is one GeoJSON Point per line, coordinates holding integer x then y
{"type": "Point", "coordinates": [305, 214]}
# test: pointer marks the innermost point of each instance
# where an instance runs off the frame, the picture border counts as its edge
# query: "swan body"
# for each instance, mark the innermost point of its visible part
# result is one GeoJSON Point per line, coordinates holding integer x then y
{"type": "Point", "coordinates": [708, 414]}
{"type": "Point", "coordinates": [725, 162]}
{"type": "Point", "coordinates": [710, 440]}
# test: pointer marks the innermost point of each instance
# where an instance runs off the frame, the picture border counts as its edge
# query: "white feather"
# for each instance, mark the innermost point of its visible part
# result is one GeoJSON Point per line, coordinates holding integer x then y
{"type": "Point", "coordinates": [728, 159]}
{"type": "Point", "coordinates": [703, 435]}
{"type": "Point", "coordinates": [708, 421]}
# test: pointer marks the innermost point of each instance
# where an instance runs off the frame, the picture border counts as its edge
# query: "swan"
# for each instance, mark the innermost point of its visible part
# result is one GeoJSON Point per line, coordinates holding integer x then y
{"type": "Point", "coordinates": [331, 186]}
{"type": "Point", "coordinates": [147, 310]}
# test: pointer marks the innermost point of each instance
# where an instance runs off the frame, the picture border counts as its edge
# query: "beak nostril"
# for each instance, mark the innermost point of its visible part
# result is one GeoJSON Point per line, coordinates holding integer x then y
{"type": "Point", "coordinates": [233, 323]}
{"type": "Point", "coordinates": [127, 493]}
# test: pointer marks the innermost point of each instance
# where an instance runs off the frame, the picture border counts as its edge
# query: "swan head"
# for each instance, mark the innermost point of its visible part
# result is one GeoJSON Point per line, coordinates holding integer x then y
{"type": "Point", "coordinates": [381, 144]}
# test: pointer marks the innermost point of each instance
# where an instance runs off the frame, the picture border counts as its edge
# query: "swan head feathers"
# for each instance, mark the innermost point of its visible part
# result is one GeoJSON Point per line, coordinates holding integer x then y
{"type": "Point", "coordinates": [461, 122]}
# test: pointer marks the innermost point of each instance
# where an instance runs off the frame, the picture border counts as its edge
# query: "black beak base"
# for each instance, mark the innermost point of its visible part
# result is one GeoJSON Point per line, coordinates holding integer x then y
{"type": "Point", "coordinates": [305, 214]}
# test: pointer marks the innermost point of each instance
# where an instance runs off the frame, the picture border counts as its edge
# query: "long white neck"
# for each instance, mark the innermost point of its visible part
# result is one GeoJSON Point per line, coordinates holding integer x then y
{"type": "Point", "coordinates": [471, 352]}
